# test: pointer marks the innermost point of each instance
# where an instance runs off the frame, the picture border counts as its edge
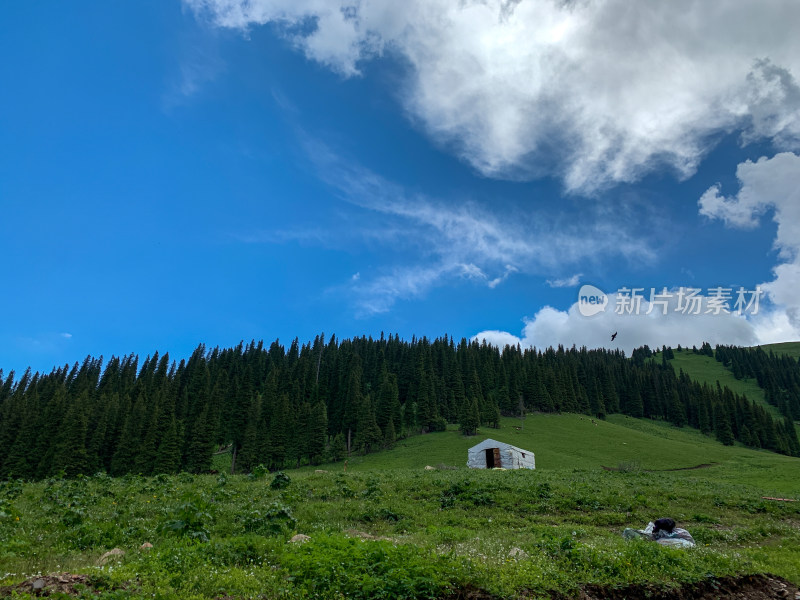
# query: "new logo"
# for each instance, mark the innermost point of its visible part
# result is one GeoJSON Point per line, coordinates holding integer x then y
{"type": "Point", "coordinates": [591, 300]}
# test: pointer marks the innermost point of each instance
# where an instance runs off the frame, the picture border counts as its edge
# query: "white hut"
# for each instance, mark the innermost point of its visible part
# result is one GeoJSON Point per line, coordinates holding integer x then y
{"type": "Point", "coordinates": [491, 454]}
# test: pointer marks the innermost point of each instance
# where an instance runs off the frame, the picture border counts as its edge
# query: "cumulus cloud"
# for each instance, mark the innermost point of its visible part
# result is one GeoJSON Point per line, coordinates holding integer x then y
{"type": "Point", "coordinates": [551, 327]}
{"type": "Point", "coordinates": [765, 185]}
{"type": "Point", "coordinates": [597, 92]}
{"type": "Point", "coordinates": [769, 185]}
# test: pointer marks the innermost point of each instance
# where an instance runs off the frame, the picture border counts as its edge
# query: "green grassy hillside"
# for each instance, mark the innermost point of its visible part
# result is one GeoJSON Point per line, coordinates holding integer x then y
{"type": "Point", "coordinates": [568, 442]}
{"type": "Point", "coordinates": [705, 369]}
{"type": "Point", "coordinates": [388, 528]}
{"type": "Point", "coordinates": [790, 348]}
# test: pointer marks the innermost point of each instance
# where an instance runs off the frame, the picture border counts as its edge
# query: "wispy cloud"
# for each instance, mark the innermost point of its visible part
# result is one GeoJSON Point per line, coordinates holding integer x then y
{"type": "Point", "coordinates": [441, 241]}
{"type": "Point", "coordinates": [199, 63]}
{"type": "Point", "coordinates": [567, 282]}
{"type": "Point", "coordinates": [498, 280]}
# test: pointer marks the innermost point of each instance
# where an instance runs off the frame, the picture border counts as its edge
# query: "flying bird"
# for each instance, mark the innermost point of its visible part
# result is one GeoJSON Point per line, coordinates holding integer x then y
{"type": "Point", "coordinates": [613, 336]}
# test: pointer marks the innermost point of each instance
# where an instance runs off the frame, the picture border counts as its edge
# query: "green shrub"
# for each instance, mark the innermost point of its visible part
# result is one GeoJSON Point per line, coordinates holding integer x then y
{"type": "Point", "coordinates": [275, 520]}
{"type": "Point", "coordinates": [462, 492]}
{"type": "Point", "coordinates": [331, 567]}
{"type": "Point", "coordinates": [280, 481]}
{"type": "Point", "coordinates": [190, 519]}
{"type": "Point", "coordinates": [258, 472]}
{"type": "Point", "coordinates": [381, 514]}
{"type": "Point", "coordinates": [7, 512]}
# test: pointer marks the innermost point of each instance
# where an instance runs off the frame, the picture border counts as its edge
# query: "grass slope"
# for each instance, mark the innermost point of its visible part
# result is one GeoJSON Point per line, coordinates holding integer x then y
{"type": "Point", "coordinates": [705, 369]}
{"type": "Point", "coordinates": [790, 348]}
{"type": "Point", "coordinates": [568, 442]}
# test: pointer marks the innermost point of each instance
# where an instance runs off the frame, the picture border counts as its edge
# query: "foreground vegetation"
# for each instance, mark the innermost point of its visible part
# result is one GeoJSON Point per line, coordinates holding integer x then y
{"type": "Point", "coordinates": [388, 528]}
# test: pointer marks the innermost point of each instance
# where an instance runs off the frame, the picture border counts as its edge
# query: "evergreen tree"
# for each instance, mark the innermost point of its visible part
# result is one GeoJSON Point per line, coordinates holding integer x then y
{"type": "Point", "coordinates": [389, 437]}
{"type": "Point", "coordinates": [148, 447]}
{"type": "Point", "coordinates": [249, 453]}
{"type": "Point", "coordinates": [677, 413]}
{"type": "Point", "coordinates": [71, 456]}
{"type": "Point", "coordinates": [470, 420]}
{"type": "Point", "coordinates": [338, 447]}
{"type": "Point", "coordinates": [368, 434]}
{"type": "Point", "coordinates": [128, 447]}
{"type": "Point", "coordinates": [318, 433]}
{"type": "Point", "coordinates": [722, 426]}
{"type": "Point", "coordinates": [168, 457]}
{"type": "Point", "coordinates": [200, 447]}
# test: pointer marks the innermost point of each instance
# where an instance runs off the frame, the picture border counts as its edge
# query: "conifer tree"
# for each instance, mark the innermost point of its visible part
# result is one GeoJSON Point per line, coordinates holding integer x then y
{"type": "Point", "coordinates": [249, 455]}
{"type": "Point", "coordinates": [389, 436]}
{"type": "Point", "coordinates": [200, 448]}
{"type": "Point", "coordinates": [470, 420]}
{"type": "Point", "coordinates": [677, 413]}
{"type": "Point", "coordinates": [722, 426]}
{"type": "Point", "coordinates": [368, 434]}
{"type": "Point", "coordinates": [128, 447]}
{"type": "Point", "coordinates": [148, 447]}
{"type": "Point", "coordinates": [168, 457]}
{"type": "Point", "coordinates": [318, 433]}
{"type": "Point", "coordinates": [276, 438]}
{"type": "Point", "coordinates": [70, 456]}
{"type": "Point", "coordinates": [338, 447]}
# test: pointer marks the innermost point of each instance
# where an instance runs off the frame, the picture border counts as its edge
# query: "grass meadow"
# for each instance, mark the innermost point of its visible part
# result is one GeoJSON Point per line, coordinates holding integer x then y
{"type": "Point", "coordinates": [790, 348]}
{"type": "Point", "coordinates": [388, 528]}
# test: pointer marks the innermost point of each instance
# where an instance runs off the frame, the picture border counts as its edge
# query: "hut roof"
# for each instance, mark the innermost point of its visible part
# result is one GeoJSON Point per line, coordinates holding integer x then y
{"type": "Point", "coordinates": [490, 443]}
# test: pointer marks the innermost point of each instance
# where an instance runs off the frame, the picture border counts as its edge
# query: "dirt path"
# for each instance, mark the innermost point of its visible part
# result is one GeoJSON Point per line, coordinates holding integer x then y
{"type": "Point", "coordinates": [703, 466]}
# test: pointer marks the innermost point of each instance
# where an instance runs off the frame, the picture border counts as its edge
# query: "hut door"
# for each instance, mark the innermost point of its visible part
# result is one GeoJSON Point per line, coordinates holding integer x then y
{"type": "Point", "coordinates": [490, 458]}
{"type": "Point", "coordinates": [497, 462]}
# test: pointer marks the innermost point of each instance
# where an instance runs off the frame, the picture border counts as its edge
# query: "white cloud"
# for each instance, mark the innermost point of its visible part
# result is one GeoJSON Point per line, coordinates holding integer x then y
{"type": "Point", "coordinates": [596, 91]}
{"type": "Point", "coordinates": [551, 327]}
{"type": "Point", "coordinates": [66, 335]}
{"type": "Point", "coordinates": [510, 269]}
{"type": "Point", "coordinates": [769, 184]}
{"type": "Point", "coordinates": [567, 282]}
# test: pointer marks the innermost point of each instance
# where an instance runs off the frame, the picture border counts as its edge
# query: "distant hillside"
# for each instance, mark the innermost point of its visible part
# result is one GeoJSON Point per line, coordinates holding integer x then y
{"type": "Point", "coordinates": [565, 442]}
{"type": "Point", "coordinates": [790, 348]}
{"type": "Point", "coordinates": [706, 369]}
{"type": "Point", "coordinates": [767, 375]}
{"type": "Point", "coordinates": [315, 402]}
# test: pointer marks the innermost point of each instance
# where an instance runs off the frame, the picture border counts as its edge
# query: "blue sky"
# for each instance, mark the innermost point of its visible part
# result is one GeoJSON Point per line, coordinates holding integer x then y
{"type": "Point", "coordinates": [210, 171]}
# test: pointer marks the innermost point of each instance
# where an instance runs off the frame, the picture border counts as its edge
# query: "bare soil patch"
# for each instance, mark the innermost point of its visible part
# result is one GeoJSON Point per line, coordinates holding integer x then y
{"type": "Point", "coordinates": [743, 587]}
{"type": "Point", "coordinates": [57, 583]}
